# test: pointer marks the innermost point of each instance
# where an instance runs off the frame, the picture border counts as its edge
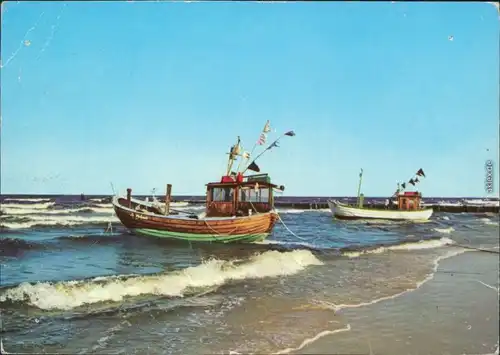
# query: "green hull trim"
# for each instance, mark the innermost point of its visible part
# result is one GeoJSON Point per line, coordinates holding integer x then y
{"type": "Point", "coordinates": [237, 238]}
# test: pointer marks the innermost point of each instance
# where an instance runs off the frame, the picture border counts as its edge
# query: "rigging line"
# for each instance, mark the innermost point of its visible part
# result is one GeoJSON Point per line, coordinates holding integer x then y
{"type": "Point", "coordinates": [22, 43]}
{"type": "Point", "coordinates": [273, 144]}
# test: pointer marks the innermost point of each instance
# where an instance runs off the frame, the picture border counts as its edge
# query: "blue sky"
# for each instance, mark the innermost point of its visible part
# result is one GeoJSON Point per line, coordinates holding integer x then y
{"type": "Point", "coordinates": [144, 94]}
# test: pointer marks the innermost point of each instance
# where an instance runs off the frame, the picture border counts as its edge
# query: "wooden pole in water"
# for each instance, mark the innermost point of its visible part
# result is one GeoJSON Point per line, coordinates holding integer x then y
{"type": "Point", "coordinates": [129, 193]}
{"type": "Point", "coordinates": [359, 186]}
{"type": "Point", "coordinates": [167, 199]}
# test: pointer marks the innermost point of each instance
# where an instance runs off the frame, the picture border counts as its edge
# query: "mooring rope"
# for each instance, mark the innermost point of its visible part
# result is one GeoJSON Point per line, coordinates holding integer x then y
{"type": "Point", "coordinates": [220, 234]}
{"type": "Point", "coordinates": [288, 229]}
{"type": "Point", "coordinates": [281, 220]}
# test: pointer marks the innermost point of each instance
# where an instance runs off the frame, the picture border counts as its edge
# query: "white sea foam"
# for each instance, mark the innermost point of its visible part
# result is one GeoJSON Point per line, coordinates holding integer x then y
{"type": "Point", "coordinates": [288, 210]}
{"type": "Point", "coordinates": [97, 199]}
{"type": "Point", "coordinates": [489, 222]}
{"type": "Point", "coordinates": [108, 334]}
{"type": "Point", "coordinates": [314, 338]}
{"type": "Point", "coordinates": [27, 211]}
{"type": "Point", "coordinates": [28, 199]}
{"type": "Point", "coordinates": [444, 230]}
{"type": "Point", "coordinates": [423, 244]}
{"type": "Point", "coordinates": [54, 220]}
{"type": "Point", "coordinates": [40, 215]}
{"type": "Point", "coordinates": [430, 276]}
{"type": "Point", "coordinates": [30, 206]}
{"type": "Point", "coordinates": [338, 307]}
{"type": "Point", "coordinates": [103, 205]}
{"type": "Point", "coordinates": [71, 294]}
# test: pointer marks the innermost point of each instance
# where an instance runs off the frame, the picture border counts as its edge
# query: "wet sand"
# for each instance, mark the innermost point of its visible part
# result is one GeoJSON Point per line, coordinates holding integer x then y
{"type": "Point", "coordinates": [456, 312]}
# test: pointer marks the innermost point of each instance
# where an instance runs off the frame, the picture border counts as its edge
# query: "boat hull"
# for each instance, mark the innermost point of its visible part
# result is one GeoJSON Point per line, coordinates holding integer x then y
{"type": "Point", "coordinates": [221, 230]}
{"type": "Point", "coordinates": [342, 211]}
{"type": "Point", "coordinates": [234, 238]}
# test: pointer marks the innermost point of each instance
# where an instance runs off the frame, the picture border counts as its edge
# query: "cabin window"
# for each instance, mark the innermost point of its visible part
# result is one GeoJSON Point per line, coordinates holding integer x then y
{"type": "Point", "coordinates": [222, 194]}
{"type": "Point", "coordinates": [251, 195]}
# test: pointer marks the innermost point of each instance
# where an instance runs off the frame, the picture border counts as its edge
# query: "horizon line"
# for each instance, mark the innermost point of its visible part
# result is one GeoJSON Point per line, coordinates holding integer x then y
{"type": "Point", "coordinates": [203, 196]}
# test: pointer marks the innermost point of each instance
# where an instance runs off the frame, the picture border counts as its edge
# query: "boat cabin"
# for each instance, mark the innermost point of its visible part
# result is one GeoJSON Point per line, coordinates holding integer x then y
{"type": "Point", "coordinates": [239, 195]}
{"type": "Point", "coordinates": [409, 201]}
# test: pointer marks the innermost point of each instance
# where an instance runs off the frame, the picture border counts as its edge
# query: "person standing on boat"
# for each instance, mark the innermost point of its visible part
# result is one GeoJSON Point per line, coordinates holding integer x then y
{"type": "Point", "coordinates": [387, 202]}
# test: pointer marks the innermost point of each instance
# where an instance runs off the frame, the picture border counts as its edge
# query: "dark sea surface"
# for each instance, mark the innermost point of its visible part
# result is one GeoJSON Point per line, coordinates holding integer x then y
{"type": "Point", "coordinates": [71, 199]}
{"type": "Point", "coordinates": [69, 285]}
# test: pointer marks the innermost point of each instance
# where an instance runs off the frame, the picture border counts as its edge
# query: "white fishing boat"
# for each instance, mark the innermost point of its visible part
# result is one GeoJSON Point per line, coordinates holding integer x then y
{"type": "Point", "coordinates": [407, 206]}
{"type": "Point", "coordinates": [343, 211]}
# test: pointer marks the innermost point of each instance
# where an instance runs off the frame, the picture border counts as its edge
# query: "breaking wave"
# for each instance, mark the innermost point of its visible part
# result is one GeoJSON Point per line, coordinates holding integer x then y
{"type": "Point", "coordinates": [71, 294]}
{"type": "Point", "coordinates": [31, 206]}
{"type": "Point", "coordinates": [28, 211]}
{"type": "Point", "coordinates": [56, 220]}
{"type": "Point", "coordinates": [28, 199]}
{"type": "Point", "coordinates": [358, 250]}
{"type": "Point", "coordinates": [414, 245]}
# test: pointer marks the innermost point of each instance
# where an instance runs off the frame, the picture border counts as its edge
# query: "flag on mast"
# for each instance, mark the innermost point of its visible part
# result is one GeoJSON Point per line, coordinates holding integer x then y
{"type": "Point", "coordinates": [263, 136]}
{"type": "Point", "coordinates": [267, 127]}
{"type": "Point", "coordinates": [253, 167]}
{"type": "Point", "coordinates": [262, 139]}
{"type": "Point", "coordinates": [273, 145]}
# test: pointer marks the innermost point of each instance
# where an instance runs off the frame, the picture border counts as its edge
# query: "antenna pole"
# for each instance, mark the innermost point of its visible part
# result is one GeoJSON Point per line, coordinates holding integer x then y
{"type": "Point", "coordinates": [359, 186]}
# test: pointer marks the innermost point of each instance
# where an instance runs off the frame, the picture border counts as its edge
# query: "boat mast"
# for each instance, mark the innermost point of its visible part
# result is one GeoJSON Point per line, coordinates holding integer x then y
{"type": "Point", "coordinates": [359, 186]}
{"type": "Point", "coordinates": [233, 153]}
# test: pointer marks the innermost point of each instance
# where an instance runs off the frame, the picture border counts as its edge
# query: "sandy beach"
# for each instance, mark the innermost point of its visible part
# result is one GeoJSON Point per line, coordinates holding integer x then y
{"type": "Point", "coordinates": [456, 312]}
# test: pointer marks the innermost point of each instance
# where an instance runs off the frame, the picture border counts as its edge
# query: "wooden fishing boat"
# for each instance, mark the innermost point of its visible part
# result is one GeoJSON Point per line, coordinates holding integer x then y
{"type": "Point", "coordinates": [408, 207]}
{"type": "Point", "coordinates": [238, 209]}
